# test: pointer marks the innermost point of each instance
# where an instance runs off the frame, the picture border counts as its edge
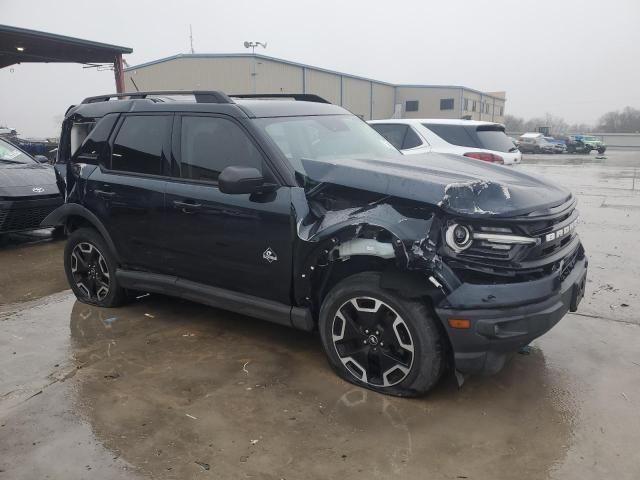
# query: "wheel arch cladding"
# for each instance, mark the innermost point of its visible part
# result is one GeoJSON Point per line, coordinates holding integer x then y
{"type": "Point", "coordinates": [75, 216]}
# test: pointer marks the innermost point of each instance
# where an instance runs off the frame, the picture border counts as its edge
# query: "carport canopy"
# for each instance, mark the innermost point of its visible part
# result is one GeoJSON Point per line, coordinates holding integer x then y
{"type": "Point", "coordinates": [20, 45]}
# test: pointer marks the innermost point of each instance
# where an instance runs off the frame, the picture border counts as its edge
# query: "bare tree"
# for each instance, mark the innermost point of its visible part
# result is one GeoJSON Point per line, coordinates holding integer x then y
{"type": "Point", "coordinates": [513, 123]}
{"type": "Point", "coordinates": [625, 121]}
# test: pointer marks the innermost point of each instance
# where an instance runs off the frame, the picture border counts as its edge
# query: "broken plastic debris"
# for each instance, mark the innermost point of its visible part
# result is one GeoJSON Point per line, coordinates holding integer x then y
{"type": "Point", "coordinates": [149, 315]}
{"type": "Point", "coordinates": [244, 367]}
{"type": "Point", "coordinates": [203, 465]}
{"type": "Point", "coordinates": [253, 442]}
{"type": "Point", "coordinates": [526, 350]}
{"type": "Point", "coordinates": [191, 416]}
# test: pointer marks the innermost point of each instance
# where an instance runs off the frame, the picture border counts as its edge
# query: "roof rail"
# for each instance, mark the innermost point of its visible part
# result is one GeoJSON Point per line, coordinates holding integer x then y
{"type": "Point", "coordinates": [201, 96]}
{"type": "Point", "coordinates": [301, 97]}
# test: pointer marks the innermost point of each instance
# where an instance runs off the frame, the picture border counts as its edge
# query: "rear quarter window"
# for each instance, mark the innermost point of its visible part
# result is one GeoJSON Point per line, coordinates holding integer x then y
{"type": "Point", "coordinates": [488, 137]}
{"type": "Point", "coordinates": [453, 134]}
{"type": "Point", "coordinates": [138, 146]}
{"type": "Point", "coordinates": [493, 138]}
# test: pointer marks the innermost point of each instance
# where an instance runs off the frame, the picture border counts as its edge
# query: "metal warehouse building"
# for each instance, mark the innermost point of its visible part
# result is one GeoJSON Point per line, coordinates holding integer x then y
{"type": "Point", "coordinates": [370, 99]}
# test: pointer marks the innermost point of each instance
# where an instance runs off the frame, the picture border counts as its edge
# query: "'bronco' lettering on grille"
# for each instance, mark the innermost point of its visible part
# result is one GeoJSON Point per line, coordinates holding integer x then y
{"type": "Point", "coordinates": [549, 237]}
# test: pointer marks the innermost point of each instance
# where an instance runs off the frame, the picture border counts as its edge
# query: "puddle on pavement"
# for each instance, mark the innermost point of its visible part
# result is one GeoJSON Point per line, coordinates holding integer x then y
{"type": "Point", "coordinates": [158, 386]}
{"type": "Point", "coordinates": [30, 266]}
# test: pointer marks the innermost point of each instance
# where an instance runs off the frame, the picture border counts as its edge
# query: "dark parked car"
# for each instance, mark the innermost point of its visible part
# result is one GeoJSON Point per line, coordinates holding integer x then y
{"type": "Point", "coordinates": [28, 190]}
{"type": "Point", "coordinates": [295, 211]}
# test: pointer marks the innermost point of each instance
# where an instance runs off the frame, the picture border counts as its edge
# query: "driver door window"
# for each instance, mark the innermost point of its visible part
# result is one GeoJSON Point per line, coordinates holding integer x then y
{"type": "Point", "coordinates": [209, 144]}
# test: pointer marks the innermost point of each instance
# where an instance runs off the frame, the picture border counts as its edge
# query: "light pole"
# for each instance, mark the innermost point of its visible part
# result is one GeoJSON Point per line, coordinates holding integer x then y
{"type": "Point", "coordinates": [252, 46]}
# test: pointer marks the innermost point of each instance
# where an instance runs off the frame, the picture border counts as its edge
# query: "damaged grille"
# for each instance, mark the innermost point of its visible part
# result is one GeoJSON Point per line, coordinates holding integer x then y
{"type": "Point", "coordinates": [555, 239]}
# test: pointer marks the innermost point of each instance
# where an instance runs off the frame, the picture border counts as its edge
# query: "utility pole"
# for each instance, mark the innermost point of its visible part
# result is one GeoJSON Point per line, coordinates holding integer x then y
{"type": "Point", "coordinates": [191, 38]}
{"type": "Point", "coordinates": [252, 46]}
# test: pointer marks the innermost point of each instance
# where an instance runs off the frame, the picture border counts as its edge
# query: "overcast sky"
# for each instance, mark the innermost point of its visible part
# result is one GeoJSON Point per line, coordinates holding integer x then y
{"type": "Point", "coordinates": [576, 59]}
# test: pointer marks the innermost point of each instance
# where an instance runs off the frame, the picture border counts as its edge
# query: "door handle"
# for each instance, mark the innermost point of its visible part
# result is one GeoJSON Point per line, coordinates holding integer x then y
{"type": "Point", "coordinates": [104, 194]}
{"type": "Point", "coordinates": [186, 206]}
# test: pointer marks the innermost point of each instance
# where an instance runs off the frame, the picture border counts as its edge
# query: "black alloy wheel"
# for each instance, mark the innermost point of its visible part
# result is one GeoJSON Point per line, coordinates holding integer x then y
{"type": "Point", "coordinates": [90, 271]}
{"type": "Point", "coordinates": [373, 341]}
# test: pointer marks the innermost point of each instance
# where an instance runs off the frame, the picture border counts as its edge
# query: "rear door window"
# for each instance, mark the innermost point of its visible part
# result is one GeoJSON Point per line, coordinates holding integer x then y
{"type": "Point", "coordinates": [411, 139]}
{"type": "Point", "coordinates": [394, 133]}
{"type": "Point", "coordinates": [140, 144]}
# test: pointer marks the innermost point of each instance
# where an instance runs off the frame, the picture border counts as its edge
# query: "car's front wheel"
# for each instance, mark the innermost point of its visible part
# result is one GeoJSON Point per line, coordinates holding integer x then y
{"type": "Point", "coordinates": [377, 339]}
{"type": "Point", "coordinates": [601, 150]}
{"type": "Point", "coordinates": [91, 269]}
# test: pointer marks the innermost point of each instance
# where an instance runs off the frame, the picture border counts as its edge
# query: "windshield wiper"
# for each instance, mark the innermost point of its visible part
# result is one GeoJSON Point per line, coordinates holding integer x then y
{"type": "Point", "coordinates": [10, 161]}
{"type": "Point", "coordinates": [513, 149]}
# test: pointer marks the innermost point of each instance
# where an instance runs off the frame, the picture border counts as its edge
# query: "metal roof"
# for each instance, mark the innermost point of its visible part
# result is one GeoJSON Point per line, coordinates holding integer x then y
{"type": "Point", "coordinates": [297, 64]}
{"type": "Point", "coordinates": [21, 45]}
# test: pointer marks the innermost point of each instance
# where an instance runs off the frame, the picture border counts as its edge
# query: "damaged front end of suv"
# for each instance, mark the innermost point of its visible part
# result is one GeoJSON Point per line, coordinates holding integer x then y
{"type": "Point", "coordinates": [498, 261]}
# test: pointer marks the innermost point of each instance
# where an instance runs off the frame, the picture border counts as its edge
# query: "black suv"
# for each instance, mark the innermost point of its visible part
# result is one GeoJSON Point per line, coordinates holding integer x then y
{"type": "Point", "coordinates": [295, 211]}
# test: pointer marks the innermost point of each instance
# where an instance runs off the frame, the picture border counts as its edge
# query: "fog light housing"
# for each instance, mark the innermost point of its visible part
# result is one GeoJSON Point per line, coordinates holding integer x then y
{"type": "Point", "coordinates": [458, 237]}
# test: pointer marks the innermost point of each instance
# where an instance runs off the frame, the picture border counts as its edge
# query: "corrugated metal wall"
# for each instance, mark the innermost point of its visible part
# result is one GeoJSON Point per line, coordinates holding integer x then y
{"type": "Point", "coordinates": [356, 97]}
{"type": "Point", "coordinates": [327, 85]}
{"type": "Point", "coordinates": [383, 100]}
{"type": "Point", "coordinates": [428, 101]}
{"type": "Point", "coordinates": [366, 98]}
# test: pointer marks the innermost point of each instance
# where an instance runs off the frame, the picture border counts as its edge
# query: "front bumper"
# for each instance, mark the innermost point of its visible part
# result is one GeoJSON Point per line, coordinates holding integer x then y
{"type": "Point", "coordinates": [506, 317]}
{"type": "Point", "coordinates": [26, 214]}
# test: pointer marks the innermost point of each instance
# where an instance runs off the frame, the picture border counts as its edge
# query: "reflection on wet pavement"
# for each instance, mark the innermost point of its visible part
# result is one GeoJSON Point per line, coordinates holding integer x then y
{"type": "Point", "coordinates": [187, 384]}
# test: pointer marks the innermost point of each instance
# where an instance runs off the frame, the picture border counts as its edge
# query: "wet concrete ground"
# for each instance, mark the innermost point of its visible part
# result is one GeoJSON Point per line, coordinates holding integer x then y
{"type": "Point", "coordinates": [169, 389]}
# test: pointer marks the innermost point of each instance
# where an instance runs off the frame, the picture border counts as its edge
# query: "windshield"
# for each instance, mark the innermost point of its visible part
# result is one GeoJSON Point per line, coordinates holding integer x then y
{"type": "Point", "coordinates": [327, 138]}
{"type": "Point", "coordinates": [11, 154]}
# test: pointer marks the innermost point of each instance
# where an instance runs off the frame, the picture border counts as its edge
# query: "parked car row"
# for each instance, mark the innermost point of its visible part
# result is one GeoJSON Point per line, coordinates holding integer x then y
{"type": "Point", "coordinates": [295, 211]}
{"type": "Point", "coordinates": [539, 143]}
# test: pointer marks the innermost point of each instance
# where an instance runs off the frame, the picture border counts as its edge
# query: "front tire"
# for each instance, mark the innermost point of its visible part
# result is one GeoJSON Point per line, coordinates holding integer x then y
{"type": "Point", "coordinates": [91, 269]}
{"type": "Point", "coordinates": [379, 340]}
{"type": "Point", "coordinates": [601, 150]}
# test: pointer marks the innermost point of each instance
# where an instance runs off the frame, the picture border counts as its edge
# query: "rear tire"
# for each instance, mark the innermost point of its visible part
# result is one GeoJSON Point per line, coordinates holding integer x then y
{"type": "Point", "coordinates": [601, 150]}
{"type": "Point", "coordinates": [91, 269]}
{"type": "Point", "coordinates": [379, 340]}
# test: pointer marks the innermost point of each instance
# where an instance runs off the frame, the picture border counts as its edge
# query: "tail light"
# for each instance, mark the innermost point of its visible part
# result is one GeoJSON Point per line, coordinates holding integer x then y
{"type": "Point", "coordinates": [486, 157]}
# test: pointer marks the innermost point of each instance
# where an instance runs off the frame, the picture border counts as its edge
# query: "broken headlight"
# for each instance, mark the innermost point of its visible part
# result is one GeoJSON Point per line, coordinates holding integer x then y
{"type": "Point", "coordinates": [458, 237]}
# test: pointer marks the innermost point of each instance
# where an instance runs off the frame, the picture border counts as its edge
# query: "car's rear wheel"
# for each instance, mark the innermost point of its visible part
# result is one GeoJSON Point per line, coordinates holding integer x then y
{"type": "Point", "coordinates": [375, 338]}
{"type": "Point", "coordinates": [91, 269]}
{"type": "Point", "coordinates": [601, 150]}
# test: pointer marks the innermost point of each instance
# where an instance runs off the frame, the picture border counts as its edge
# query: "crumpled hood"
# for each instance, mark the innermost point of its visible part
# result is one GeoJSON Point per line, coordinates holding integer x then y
{"type": "Point", "coordinates": [456, 184]}
{"type": "Point", "coordinates": [21, 180]}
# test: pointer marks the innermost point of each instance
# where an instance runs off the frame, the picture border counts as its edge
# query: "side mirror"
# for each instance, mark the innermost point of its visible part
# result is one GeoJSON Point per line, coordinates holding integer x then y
{"type": "Point", "coordinates": [237, 180]}
{"type": "Point", "coordinates": [41, 159]}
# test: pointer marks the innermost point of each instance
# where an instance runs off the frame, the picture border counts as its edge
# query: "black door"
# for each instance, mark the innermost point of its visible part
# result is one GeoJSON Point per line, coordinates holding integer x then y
{"type": "Point", "coordinates": [128, 192]}
{"type": "Point", "coordinates": [238, 242]}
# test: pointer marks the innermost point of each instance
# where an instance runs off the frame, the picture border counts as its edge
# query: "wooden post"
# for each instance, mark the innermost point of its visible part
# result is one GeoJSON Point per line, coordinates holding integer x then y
{"type": "Point", "coordinates": [118, 72]}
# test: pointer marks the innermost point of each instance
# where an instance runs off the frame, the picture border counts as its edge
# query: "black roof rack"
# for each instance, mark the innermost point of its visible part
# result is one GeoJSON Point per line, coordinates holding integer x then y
{"type": "Point", "coordinates": [201, 96]}
{"type": "Point", "coordinates": [301, 97]}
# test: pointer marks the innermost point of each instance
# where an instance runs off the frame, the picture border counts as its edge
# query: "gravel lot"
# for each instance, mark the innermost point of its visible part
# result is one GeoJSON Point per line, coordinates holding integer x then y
{"type": "Point", "coordinates": [170, 389]}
